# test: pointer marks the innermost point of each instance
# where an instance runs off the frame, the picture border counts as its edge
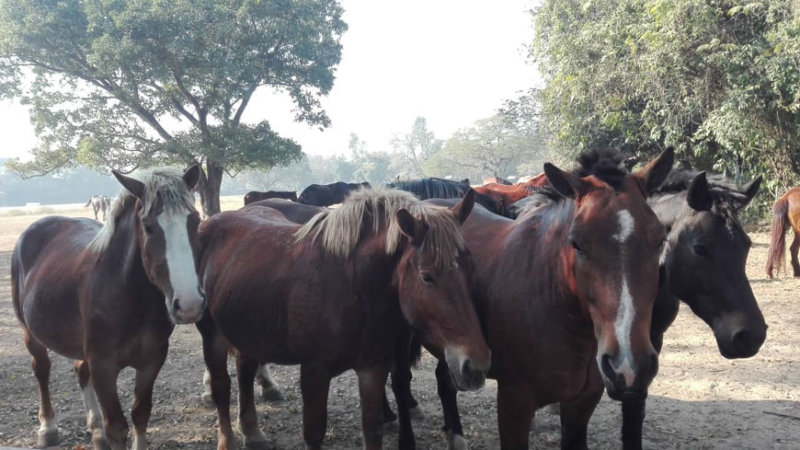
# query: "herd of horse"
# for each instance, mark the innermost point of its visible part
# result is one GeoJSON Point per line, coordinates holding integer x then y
{"type": "Point", "coordinates": [560, 288]}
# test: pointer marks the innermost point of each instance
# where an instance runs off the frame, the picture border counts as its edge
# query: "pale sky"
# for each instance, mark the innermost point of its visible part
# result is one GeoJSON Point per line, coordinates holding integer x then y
{"type": "Point", "coordinates": [452, 62]}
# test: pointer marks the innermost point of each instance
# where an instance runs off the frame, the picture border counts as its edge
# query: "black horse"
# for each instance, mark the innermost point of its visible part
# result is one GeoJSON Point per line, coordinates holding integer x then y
{"type": "Point", "coordinates": [428, 188]}
{"type": "Point", "coordinates": [254, 196]}
{"type": "Point", "coordinates": [328, 194]}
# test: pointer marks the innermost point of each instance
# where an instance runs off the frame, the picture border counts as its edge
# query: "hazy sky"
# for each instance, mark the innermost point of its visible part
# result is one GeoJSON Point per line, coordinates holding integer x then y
{"type": "Point", "coordinates": [452, 62]}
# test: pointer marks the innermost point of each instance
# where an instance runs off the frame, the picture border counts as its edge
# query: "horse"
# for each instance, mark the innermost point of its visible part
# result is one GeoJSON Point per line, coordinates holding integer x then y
{"type": "Point", "coordinates": [563, 328]}
{"type": "Point", "coordinates": [785, 214]}
{"type": "Point", "coordinates": [335, 294]}
{"type": "Point", "coordinates": [497, 180]}
{"type": "Point", "coordinates": [428, 188]}
{"type": "Point", "coordinates": [507, 195]}
{"type": "Point", "coordinates": [254, 196]}
{"type": "Point", "coordinates": [110, 297]}
{"type": "Point", "coordinates": [328, 194]}
{"type": "Point", "coordinates": [99, 203]}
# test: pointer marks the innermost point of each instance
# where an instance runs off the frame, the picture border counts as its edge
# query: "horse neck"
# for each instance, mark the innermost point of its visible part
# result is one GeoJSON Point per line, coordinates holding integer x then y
{"type": "Point", "coordinates": [123, 250]}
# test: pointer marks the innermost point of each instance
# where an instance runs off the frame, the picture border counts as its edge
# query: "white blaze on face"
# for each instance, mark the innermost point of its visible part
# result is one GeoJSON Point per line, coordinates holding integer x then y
{"type": "Point", "coordinates": [180, 264]}
{"type": "Point", "coordinates": [625, 313]}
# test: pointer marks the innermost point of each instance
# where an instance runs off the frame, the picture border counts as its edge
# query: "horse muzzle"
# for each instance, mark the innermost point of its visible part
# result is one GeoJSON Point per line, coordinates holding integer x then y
{"type": "Point", "coordinates": [467, 373]}
{"type": "Point", "coordinates": [624, 380]}
{"type": "Point", "coordinates": [187, 309]}
{"type": "Point", "coordinates": [740, 342]}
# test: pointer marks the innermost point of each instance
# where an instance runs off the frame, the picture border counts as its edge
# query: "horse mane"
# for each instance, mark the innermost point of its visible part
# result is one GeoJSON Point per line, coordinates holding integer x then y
{"type": "Point", "coordinates": [604, 163]}
{"type": "Point", "coordinates": [159, 183]}
{"type": "Point", "coordinates": [369, 210]}
{"type": "Point", "coordinates": [723, 191]}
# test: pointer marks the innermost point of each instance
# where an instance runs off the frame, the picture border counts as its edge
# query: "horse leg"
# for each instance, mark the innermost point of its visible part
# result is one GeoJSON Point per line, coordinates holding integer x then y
{"type": "Point", "coordinates": [575, 415]}
{"type": "Point", "coordinates": [104, 376]}
{"type": "Point", "coordinates": [448, 396]}
{"type": "Point", "coordinates": [515, 410]}
{"type": "Point", "coordinates": [246, 369]}
{"type": "Point", "coordinates": [143, 397]}
{"type": "Point", "coordinates": [48, 429]}
{"type": "Point", "coordinates": [793, 251]}
{"type": "Point", "coordinates": [94, 416]}
{"type": "Point", "coordinates": [315, 383]}
{"type": "Point", "coordinates": [401, 386]}
{"type": "Point", "coordinates": [270, 391]}
{"type": "Point", "coordinates": [388, 414]}
{"type": "Point", "coordinates": [372, 387]}
{"type": "Point", "coordinates": [206, 398]}
{"type": "Point", "coordinates": [633, 412]}
{"type": "Point", "coordinates": [215, 354]}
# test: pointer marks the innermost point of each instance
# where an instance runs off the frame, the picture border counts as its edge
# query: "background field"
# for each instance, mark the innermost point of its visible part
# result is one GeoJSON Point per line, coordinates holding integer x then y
{"type": "Point", "coordinates": [698, 400]}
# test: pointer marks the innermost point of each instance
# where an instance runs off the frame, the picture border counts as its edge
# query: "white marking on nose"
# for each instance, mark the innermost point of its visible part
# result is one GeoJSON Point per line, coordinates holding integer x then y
{"type": "Point", "coordinates": [625, 313]}
{"type": "Point", "coordinates": [180, 263]}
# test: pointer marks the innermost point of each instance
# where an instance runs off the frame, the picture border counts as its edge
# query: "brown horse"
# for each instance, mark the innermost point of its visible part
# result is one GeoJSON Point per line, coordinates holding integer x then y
{"type": "Point", "coordinates": [566, 293]}
{"type": "Point", "coordinates": [506, 195]}
{"type": "Point", "coordinates": [785, 214]}
{"type": "Point", "coordinates": [335, 294]}
{"type": "Point", "coordinates": [98, 295]}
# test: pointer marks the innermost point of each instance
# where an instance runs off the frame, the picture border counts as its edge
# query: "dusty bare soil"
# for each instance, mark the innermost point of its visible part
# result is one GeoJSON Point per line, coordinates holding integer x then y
{"type": "Point", "coordinates": [699, 399]}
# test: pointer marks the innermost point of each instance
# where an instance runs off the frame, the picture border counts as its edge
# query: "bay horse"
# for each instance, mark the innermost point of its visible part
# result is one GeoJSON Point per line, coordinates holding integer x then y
{"type": "Point", "coordinates": [335, 294]}
{"type": "Point", "coordinates": [565, 295]}
{"type": "Point", "coordinates": [785, 215]}
{"type": "Point", "coordinates": [100, 203]}
{"type": "Point", "coordinates": [328, 194]}
{"type": "Point", "coordinates": [109, 297]}
{"type": "Point", "coordinates": [254, 196]}
{"type": "Point", "coordinates": [506, 195]}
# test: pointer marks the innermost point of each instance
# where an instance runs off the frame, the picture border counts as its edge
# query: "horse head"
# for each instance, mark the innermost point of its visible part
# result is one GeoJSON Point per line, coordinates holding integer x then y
{"type": "Point", "coordinates": [615, 241]}
{"type": "Point", "coordinates": [706, 258]}
{"type": "Point", "coordinates": [166, 232]}
{"type": "Point", "coordinates": [432, 282]}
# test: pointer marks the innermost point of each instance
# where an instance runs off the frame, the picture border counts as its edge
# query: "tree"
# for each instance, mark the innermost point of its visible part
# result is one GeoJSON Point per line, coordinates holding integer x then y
{"type": "Point", "coordinates": [369, 166]}
{"type": "Point", "coordinates": [506, 144]}
{"type": "Point", "coordinates": [127, 83]}
{"type": "Point", "coordinates": [719, 80]}
{"type": "Point", "coordinates": [412, 150]}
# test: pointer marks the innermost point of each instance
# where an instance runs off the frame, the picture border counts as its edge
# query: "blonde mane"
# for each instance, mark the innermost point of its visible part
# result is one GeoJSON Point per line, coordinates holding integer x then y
{"type": "Point", "coordinates": [164, 183]}
{"type": "Point", "coordinates": [369, 210]}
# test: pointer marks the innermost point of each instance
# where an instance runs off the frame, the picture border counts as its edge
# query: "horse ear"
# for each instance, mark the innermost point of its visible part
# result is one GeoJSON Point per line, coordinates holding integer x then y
{"type": "Point", "coordinates": [565, 183]}
{"type": "Point", "coordinates": [132, 185]}
{"type": "Point", "coordinates": [414, 229]}
{"type": "Point", "coordinates": [464, 207]}
{"type": "Point", "coordinates": [751, 189]}
{"type": "Point", "coordinates": [698, 196]}
{"type": "Point", "coordinates": [192, 176]}
{"type": "Point", "coordinates": [656, 171]}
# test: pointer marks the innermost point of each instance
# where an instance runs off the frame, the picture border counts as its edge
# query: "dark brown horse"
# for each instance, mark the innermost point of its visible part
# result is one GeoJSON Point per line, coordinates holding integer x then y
{"type": "Point", "coordinates": [785, 215]}
{"type": "Point", "coordinates": [254, 196]}
{"type": "Point", "coordinates": [109, 297]}
{"type": "Point", "coordinates": [335, 294]}
{"type": "Point", "coordinates": [566, 293]}
{"type": "Point", "coordinates": [328, 194]}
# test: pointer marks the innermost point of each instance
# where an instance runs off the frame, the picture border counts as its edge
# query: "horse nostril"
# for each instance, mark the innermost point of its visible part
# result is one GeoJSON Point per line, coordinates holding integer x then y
{"type": "Point", "coordinates": [605, 365]}
{"type": "Point", "coordinates": [176, 304]}
{"type": "Point", "coordinates": [741, 338]}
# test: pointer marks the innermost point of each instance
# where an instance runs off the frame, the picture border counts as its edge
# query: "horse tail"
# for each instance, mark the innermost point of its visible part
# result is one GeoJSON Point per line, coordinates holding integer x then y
{"type": "Point", "coordinates": [88, 203]}
{"type": "Point", "coordinates": [777, 242]}
{"type": "Point", "coordinates": [16, 281]}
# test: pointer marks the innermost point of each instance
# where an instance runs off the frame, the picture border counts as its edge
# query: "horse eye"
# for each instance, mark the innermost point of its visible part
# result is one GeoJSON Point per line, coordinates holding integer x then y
{"type": "Point", "coordinates": [576, 246]}
{"type": "Point", "coordinates": [427, 279]}
{"type": "Point", "coordinates": [700, 250]}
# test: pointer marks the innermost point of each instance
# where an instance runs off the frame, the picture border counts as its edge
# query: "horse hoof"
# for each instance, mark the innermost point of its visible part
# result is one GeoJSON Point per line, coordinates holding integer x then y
{"type": "Point", "coordinates": [391, 426]}
{"type": "Point", "coordinates": [456, 442]}
{"type": "Point", "coordinates": [208, 401]}
{"type": "Point", "coordinates": [272, 394]}
{"type": "Point", "coordinates": [47, 437]}
{"type": "Point", "coordinates": [416, 413]}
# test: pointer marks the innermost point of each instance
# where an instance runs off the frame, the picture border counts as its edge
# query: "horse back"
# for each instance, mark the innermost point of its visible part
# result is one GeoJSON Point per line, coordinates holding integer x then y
{"type": "Point", "coordinates": [48, 270]}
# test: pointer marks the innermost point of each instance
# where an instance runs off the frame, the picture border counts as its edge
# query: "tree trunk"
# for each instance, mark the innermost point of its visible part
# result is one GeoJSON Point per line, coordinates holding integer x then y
{"type": "Point", "coordinates": [209, 188]}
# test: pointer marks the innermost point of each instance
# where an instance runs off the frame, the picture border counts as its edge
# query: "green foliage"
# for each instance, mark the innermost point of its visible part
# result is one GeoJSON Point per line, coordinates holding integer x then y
{"type": "Point", "coordinates": [718, 80]}
{"type": "Point", "coordinates": [126, 83]}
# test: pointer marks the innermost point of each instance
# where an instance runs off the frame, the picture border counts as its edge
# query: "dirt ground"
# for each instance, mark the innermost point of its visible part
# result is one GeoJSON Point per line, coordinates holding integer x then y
{"type": "Point", "coordinates": [699, 399]}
